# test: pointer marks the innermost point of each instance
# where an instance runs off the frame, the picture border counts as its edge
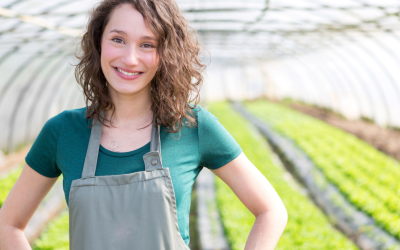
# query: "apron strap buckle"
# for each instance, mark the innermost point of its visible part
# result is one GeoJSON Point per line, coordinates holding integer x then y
{"type": "Point", "coordinates": [152, 161]}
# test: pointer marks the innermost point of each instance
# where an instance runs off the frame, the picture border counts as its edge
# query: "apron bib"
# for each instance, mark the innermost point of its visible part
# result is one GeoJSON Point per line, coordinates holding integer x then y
{"type": "Point", "coordinates": [128, 211]}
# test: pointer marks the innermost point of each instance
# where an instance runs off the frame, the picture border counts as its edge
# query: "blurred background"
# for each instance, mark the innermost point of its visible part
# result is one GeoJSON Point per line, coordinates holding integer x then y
{"type": "Point", "coordinates": [319, 75]}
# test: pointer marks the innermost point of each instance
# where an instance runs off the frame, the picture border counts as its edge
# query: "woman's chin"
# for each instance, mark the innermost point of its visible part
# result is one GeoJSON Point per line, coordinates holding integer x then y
{"type": "Point", "coordinates": [127, 90]}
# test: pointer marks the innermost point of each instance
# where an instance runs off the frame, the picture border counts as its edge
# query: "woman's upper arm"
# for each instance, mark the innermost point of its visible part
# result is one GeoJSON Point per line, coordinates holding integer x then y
{"type": "Point", "coordinates": [250, 185]}
{"type": "Point", "coordinates": [25, 197]}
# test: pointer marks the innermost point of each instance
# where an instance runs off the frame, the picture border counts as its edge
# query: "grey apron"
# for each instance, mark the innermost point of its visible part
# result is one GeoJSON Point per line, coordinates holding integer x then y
{"type": "Point", "coordinates": [128, 211]}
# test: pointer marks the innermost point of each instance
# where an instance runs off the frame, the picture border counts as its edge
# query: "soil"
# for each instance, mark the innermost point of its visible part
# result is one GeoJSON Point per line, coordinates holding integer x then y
{"type": "Point", "coordinates": [384, 139]}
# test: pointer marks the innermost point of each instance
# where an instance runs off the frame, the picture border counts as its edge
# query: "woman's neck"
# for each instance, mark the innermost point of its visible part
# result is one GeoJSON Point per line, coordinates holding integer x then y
{"type": "Point", "coordinates": [129, 108]}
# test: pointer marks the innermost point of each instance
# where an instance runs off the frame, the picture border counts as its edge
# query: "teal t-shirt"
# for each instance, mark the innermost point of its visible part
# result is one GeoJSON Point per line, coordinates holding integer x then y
{"type": "Point", "coordinates": [60, 148]}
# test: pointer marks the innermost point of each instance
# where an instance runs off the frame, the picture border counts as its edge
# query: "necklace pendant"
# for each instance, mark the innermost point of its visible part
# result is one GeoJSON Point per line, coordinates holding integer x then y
{"type": "Point", "coordinates": [112, 143]}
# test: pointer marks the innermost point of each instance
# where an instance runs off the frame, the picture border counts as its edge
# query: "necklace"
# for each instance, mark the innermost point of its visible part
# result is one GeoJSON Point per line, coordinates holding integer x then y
{"type": "Point", "coordinates": [114, 143]}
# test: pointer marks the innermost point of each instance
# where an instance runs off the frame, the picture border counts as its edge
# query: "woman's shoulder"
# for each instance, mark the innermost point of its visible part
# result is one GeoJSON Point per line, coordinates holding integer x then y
{"type": "Point", "coordinates": [74, 114]}
{"type": "Point", "coordinates": [205, 120]}
{"type": "Point", "coordinates": [200, 113]}
{"type": "Point", "coordinates": [204, 117]}
{"type": "Point", "coordinates": [43, 154]}
{"type": "Point", "coordinates": [70, 115]}
{"type": "Point", "coordinates": [70, 118]}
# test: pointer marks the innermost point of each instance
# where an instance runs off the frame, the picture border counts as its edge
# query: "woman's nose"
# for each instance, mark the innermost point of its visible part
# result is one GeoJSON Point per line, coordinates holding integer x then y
{"type": "Point", "coordinates": [131, 56]}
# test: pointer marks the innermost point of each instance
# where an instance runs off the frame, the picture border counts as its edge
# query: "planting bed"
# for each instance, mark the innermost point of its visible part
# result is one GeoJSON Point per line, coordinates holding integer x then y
{"type": "Point", "coordinates": [355, 224]}
{"type": "Point", "coordinates": [367, 177]}
{"type": "Point", "coordinates": [384, 139]}
{"type": "Point", "coordinates": [56, 235]}
{"type": "Point", "coordinates": [307, 227]}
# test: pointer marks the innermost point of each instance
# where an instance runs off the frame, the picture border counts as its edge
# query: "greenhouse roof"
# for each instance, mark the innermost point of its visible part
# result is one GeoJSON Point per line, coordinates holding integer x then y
{"type": "Point", "coordinates": [358, 38]}
{"type": "Point", "coordinates": [224, 26]}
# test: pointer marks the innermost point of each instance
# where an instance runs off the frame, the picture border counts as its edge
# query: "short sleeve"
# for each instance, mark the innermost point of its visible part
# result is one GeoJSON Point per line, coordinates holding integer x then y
{"type": "Point", "coordinates": [217, 147]}
{"type": "Point", "coordinates": [42, 155]}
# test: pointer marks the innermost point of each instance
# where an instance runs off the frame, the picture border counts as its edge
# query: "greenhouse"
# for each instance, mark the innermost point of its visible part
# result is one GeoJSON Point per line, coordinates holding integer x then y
{"type": "Point", "coordinates": [309, 89]}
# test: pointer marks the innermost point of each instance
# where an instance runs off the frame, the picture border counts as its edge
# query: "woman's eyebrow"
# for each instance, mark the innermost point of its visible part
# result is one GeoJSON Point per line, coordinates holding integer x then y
{"type": "Point", "coordinates": [142, 38]}
{"type": "Point", "coordinates": [149, 38]}
{"type": "Point", "coordinates": [118, 31]}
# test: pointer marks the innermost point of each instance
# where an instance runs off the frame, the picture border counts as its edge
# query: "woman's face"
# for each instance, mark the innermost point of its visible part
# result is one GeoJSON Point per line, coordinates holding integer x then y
{"type": "Point", "coordinates": [129, 55]}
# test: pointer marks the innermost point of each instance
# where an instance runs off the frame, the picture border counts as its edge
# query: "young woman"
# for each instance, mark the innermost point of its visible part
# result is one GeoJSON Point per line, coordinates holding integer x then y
{"type": "Point", "coordinates": [130, 157]}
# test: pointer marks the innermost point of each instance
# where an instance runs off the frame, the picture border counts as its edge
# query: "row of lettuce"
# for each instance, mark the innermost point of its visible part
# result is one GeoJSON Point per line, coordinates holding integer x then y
{"type": "Point", "coordinates": [307, 227]}
{"type": "Point", "coordinates": [368, 178]}
{"type": "Point", "coordinates": [56, 235]}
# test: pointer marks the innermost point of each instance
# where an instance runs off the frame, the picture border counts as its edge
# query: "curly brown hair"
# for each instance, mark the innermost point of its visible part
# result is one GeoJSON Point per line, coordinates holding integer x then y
{"type": "Point", "coordinates": [178, 79]}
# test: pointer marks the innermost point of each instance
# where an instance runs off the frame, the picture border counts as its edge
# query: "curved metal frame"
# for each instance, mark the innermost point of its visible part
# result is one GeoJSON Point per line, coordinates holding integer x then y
{"type": "Point", "coordinates": [305, 44]}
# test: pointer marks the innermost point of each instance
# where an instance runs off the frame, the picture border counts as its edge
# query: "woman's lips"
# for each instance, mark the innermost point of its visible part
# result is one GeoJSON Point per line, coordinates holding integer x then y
{"type": "Point", "coordinates": [127, 77]}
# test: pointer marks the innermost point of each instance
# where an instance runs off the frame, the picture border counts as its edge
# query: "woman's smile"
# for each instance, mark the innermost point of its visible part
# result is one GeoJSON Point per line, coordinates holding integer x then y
{"type": "Point", "coordinates": [127, 74]}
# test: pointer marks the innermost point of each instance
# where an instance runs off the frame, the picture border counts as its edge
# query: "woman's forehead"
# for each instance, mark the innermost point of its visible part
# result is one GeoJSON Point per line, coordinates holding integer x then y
{"type": "Point", "coordinates": [126, 20]}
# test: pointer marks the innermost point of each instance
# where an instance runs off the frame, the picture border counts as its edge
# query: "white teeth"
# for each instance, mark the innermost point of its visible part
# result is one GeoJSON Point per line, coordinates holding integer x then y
{"type": "Point", "coordinates": [127, 73]}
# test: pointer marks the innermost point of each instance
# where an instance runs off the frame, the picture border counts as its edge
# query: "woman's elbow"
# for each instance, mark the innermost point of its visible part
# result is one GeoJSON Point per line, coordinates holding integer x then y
{"type": "Point", "coordinates": [284, 215]}
{"type": "Point", "coordinates": [280, 214]}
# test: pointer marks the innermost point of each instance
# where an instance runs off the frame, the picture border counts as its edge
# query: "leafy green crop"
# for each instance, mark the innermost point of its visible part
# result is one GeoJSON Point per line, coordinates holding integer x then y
{"type": "Point", "coordinates": [307, 227]}
{"type": "Point", "coordinates": [368, 178]}
{"type": "Point", "coordinates": [6, 183]}
{"type": "Point", "coordinates": [56, 235]}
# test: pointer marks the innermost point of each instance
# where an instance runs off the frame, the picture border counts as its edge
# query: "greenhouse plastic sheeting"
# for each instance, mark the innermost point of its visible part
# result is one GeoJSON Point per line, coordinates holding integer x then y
{"type": "Point", "coordinates": [340, 54]}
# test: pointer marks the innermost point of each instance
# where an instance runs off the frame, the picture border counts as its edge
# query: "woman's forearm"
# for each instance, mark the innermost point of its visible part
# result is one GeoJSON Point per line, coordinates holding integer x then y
{"type": "Point", "coordinates": [267, 230]}
{"type": "Point", "coordinates": [12, 238]}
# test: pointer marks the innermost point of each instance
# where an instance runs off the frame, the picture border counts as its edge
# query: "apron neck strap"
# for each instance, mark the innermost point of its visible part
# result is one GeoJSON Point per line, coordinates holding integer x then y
{"type": "Point", "coordinates": [152, 159]}
{"type": "Point", "coordinates": [155, 143]}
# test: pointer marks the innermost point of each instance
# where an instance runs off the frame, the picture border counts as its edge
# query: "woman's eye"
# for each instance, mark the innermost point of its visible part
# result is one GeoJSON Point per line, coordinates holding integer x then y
{"type": "Point", "coordinates": [118, 40]}
{"type": "Point", "coordinates": [146, 45]}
